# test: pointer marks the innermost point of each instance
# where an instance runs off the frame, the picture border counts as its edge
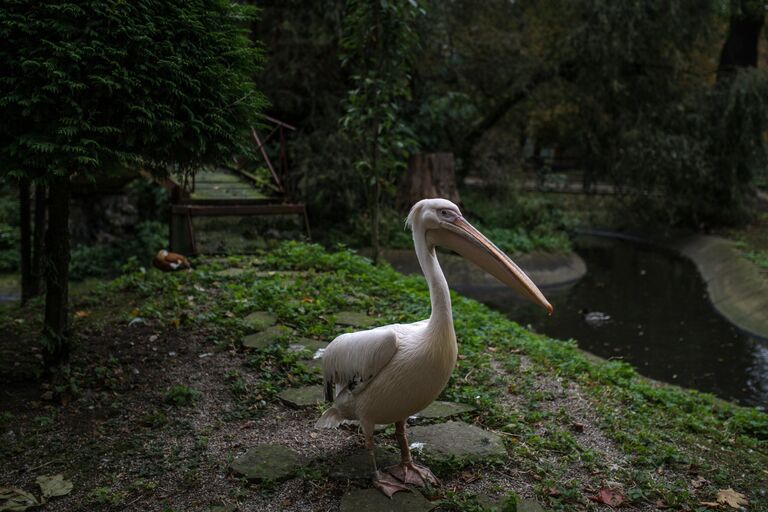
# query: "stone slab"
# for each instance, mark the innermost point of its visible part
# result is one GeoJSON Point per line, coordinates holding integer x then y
{"type": "Point", "coordinates": [456, 440]}
{"type": "Point", "coordinates": [267, 462]}
{"type": "Point", "coordinates": [372, 500]}
{"type": "Point", "coordinates": [440, 409]}
{"type": "Point", "coordinates": [266, 337]}
{"type": "Point", "coordinates": [232, 272]}
{"type": "Point", "coordinates": [308, 347]}
{"type": "Point", "coordinates": [260, 320]}
{"type": "Point", "coordinates": [355, 319]}
{"type": "Point", "coordinates": [357, 467]}
{"type": "Point", "coordinates": [303, 397]}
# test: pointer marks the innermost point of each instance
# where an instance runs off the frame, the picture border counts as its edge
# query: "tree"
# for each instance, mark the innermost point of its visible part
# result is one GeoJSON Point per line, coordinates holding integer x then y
{"type": "Point", "coordinates": [88, 87]}
{"type": "Point", "coordinates": [378, 44]}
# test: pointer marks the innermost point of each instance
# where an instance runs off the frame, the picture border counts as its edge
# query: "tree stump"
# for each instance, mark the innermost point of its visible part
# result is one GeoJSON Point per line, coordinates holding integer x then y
{"type": "Point", "coordinates": [429, 175]}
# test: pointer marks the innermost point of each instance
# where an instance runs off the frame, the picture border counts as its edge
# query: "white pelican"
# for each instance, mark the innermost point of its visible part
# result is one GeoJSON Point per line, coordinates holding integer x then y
{"type": "Point", "coordinates": [386, 374]}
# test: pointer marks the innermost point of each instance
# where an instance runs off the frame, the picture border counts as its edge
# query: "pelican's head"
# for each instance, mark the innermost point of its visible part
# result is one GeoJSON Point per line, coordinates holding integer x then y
{"type": "Point", "coordinates": [442, 225]}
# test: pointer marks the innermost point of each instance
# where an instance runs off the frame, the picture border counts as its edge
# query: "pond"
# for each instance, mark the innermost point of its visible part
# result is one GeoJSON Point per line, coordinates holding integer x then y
{"type": "Point", "coordinates": [660, 320]}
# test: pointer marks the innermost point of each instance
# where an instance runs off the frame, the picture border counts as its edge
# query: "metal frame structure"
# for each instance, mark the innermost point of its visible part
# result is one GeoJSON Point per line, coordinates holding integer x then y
{"type": "Point", "coordinates": [184, 207]}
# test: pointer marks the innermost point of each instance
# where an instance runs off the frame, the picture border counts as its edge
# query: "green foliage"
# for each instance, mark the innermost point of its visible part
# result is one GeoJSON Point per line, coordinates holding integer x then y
{"type": "Point", "coordinates": [639, 104]}
{"type": "Point", "coordinates": [518, 223]}
{"type": "Point", "coordinates": [90, 85]}
{"type": "Point", "coordinates": [378, 44]}
{"type": "Point", "coordinates": [108, 258]}
{"type": "Point", "coordinates": [182, 396]}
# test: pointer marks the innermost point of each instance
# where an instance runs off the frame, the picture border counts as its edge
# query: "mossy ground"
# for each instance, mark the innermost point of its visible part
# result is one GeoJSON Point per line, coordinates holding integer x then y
{"type": "Point", "coordinates": [115, 427]}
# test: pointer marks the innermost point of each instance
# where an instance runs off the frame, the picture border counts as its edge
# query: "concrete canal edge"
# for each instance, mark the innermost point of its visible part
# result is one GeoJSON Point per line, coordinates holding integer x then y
{"type": "Point", "coordinates": [736, 286]}
{"type": "Point", "coordinates": [546, 269]}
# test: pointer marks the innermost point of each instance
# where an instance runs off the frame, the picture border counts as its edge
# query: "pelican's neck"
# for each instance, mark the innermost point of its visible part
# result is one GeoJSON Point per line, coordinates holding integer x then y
{"type": "Point", "coordinates": [441, 317]}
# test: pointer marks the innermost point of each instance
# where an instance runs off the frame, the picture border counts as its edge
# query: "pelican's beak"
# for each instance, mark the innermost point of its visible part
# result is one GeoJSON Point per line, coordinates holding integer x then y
{"type": "Point", "coordinates": [460, 236]}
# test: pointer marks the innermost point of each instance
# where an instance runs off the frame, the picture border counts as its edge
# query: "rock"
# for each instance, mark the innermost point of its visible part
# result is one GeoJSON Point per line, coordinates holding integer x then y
{"type": "Point", "coordinates": [270, 462]}
{"type": "Point", "coordinates": [259, 320]}
{"type": "Point", "coordinates": [457, 441]}
{"type": "Point", "coordinates": [357, 467]}
{"type": "Point", "coordinates": [303, 397]}
{"type": "Point", "coordinates": [224, 508]}
{"type": "Point", "coordinates": [232, 272]}
{"type": "Point", "coordinates": [266, 337]}
{"type": "Point", "coordinates": [439, 409]}
{"type": "Point", "coordinates": [309, 346]}
{"type": "Point", "coordinates": [372, 500]}
{"type": "Point", "coordinates": [355, 319]}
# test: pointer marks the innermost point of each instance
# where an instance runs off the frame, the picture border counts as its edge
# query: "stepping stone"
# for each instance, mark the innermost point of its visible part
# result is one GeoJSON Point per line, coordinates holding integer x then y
{"type": "Point", "coordinates": [357, 466]}
{"type": "Point", "coordinates": [266, 337]}
{"type": "Point", "coordinates": [259, 320]}
{"type": "Point", "coordinates": [372, 500]}
{"type": "Point", "coordinates": [355, 319]}
{"type": "Point", "coordinates": [439, 409]}
{"type": "Point", "coordinates": [232, 272]}
{"type": "Point", "coordinates": [270, 462]}
{"type": "Point", "coordinates": [224, 508]}
{"type": "Point", "coordinates": [457, 441]}
{"type": "Point", "coordinates": [526, 505]}
{"type": "Point", "coordinates": [310, 347]}
{"type": "Point", "coordinates": [303, 397]}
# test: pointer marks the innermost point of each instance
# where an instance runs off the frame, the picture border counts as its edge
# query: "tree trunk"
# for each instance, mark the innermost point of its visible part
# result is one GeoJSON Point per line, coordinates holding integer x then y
{"type": "Point", "coordinates": [38, 240]}
{"type": "Point", "coordinates": [741, 46]}
{"type": "Point", "coordinates": [56, 324]}
{"type": "Point", "coordinates": [429, 175]}
{"type": "Point", "coordinates": [25, 221]}
{"type": "Point", "coordinates": [375, 195]}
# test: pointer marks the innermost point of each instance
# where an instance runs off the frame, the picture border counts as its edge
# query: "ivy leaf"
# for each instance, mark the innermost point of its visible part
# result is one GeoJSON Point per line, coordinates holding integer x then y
{"type": "Point", "coordinates": [54, 485]}
{"type": "Point", "coordinates": [731, 498]}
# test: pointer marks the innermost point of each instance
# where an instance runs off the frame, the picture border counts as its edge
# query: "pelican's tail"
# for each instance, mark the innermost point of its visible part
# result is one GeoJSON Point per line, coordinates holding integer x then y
{"type": "Point", "coordinates": [330, 419]}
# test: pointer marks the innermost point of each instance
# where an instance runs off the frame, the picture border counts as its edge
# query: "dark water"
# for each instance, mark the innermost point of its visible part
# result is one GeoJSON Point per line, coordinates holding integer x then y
{"type": "Point", "coordinates": [661, 321]}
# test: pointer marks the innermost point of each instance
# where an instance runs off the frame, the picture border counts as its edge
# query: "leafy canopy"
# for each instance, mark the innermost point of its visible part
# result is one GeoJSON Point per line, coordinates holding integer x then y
{"type": "Point", "coordinates": [87, 85]}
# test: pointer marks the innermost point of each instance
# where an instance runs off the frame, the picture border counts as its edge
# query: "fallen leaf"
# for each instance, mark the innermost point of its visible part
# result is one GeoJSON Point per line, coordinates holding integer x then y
{"type": "Point", "coordinates": [307, 299]}
{"type": "Point", "coordinates": [731, 498]}
{"type": "Point", "coordinates": [13, 499]}
{"type": "Point", "coordinates": [469, 476]}
{"type": "Point", "coordinates": [54, 485]}
{"type": "Point", "coordinates": [611, 497]}
{"type": "Point", "coordinates": [135, 312]}
{"type": "Point", "coordinates": [82, 314]}
{"type": "Point", "coordinates": [577, 427]}
{"type": "Point", "coordinates": [552, 491]}
{"type": "Point", "coordinates": [660, 504]}
{"type": "Point", "coordinates": [229, 314]}
{"type": "Point", "coordinates": [710, 504]}
{"type": "Point", "coordinates": [175, 322]}
{"type": "Point", "coordinates": [698, 482]}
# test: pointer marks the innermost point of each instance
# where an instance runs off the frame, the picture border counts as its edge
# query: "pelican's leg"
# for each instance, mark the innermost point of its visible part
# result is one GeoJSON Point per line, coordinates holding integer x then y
{"type": "Point", "coordinates": [382, 481]}
{"type": "Point", "coordinates": [408, 471]}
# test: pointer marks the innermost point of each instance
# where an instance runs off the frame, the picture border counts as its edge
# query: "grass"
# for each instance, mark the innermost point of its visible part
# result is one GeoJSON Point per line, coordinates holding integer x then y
{"type": "Point", "coordinates": [571, 425]}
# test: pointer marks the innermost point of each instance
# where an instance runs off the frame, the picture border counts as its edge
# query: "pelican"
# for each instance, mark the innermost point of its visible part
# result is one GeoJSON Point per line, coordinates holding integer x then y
{"type": "Point", "coordinates": [386, 374]}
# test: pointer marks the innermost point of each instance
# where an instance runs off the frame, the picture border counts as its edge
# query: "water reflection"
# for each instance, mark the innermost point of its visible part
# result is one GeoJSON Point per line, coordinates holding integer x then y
{"type": "Point", "coordinates": [661, 321]}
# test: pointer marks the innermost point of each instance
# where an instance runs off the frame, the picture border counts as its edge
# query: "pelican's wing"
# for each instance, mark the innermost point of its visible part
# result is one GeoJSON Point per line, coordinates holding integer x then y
{"type": "Point", "coordinates": [351, 360]}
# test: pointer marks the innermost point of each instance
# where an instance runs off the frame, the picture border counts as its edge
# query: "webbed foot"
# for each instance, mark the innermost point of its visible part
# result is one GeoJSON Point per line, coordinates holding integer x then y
{"type": "Point", "coordinates": [387, 484]}
{"type": "Point", "coordinates": [412, 473]}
